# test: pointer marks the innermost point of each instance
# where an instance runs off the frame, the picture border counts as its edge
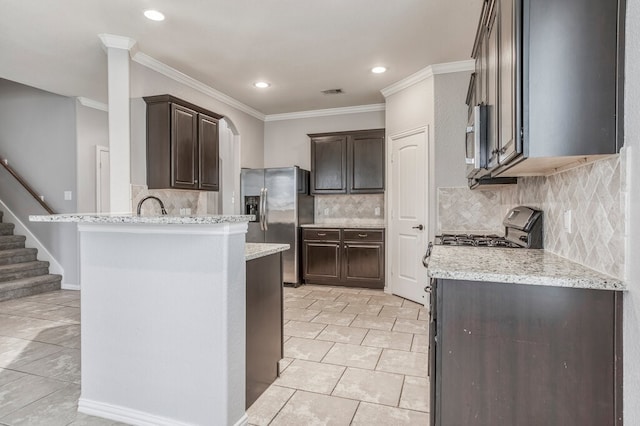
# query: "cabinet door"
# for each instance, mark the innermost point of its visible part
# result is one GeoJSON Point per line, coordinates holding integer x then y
{"type": "Point", "coordinates": [321, 261]}
{"type": "Point", "coordinates": [364, 263]}
{"type": "Point", "coordinates": [492, 81]}
{"type": "Point", "coordinates": [264, 324]}
{"type": "Point", "coordinates": [366, 163]}
{"type": "Point", "coordinates": [329, 165]}
{"type": "Point", "coordinates": [184, 141]}
{"type": "Point", "coordinates": [209, 156]}
{"type": "Point", "coordinates": [509, 131]}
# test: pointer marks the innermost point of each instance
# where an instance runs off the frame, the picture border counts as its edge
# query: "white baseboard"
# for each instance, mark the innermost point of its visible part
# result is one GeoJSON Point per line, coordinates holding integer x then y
{"type": "Point", "coordinates": [32, 241]}
{"type": "Point", "coordinates": [134, 417]}
{"type": "Point", "coordinates": [69, 286]}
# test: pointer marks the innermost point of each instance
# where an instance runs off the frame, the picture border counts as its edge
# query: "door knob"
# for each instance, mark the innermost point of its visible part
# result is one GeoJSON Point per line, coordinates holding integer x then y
{"type": "Point", "coordinates": [419, 227]}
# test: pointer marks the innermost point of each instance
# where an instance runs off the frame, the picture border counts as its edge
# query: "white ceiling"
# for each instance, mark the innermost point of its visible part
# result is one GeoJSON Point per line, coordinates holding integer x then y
{"type": "Point", "coordinates": [300, 46]}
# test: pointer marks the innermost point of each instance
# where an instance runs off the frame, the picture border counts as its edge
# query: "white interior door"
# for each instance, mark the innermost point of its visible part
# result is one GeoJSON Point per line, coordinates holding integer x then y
{"type": "Point", "coordinates": [408, 225]}
{"type": "Point", "coordinates": [102, 179]}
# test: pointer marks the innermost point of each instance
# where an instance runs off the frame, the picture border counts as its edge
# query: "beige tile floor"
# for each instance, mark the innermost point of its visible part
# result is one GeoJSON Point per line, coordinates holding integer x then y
{"type": "Point", "coordinates": [352, 357]}
{"type": "Point", "coordinates": [40, 361]}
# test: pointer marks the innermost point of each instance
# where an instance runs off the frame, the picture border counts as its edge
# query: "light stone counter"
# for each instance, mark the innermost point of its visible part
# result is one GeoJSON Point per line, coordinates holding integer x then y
{"type": "Point", "coordinates": [516, 266]}
{"type": "Point", "coordinates": [346, 225]}
{"type": "Point", "coordinates": [109, 218]}
{"type": "Point", "coordinates": [257, 250]}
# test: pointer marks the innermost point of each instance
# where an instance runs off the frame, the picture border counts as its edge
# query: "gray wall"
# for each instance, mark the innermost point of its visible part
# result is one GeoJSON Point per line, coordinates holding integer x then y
{"type": "Point", "coordinates": [92, 130]}
{"type": "Point", "coordinates": [450, 91]}
{"type": "Point", "coordinates": [631, 310]}
{"type": "Point", "coordinates": [38, 137]}
{"type": "Point", "coordinates": [286, 142]}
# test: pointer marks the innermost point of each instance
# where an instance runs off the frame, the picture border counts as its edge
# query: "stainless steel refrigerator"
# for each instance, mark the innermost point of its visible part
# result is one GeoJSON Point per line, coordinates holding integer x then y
{"type": "Point", "coordinates": [280, 200]}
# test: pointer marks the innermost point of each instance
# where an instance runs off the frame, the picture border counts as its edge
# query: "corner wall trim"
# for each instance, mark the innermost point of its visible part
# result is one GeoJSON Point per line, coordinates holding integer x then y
{"type": "Point", "coordinates": [164, 69]}
{"type": "Point", "coordinates": [427, 72]}
{"type": "Point", "coordinates": [90, 103]}
{"type": "Point", "coordinates": [325, 112]}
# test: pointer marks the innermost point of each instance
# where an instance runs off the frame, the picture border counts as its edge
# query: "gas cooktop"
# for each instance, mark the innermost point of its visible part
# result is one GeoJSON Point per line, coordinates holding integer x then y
{"type": "Point", "coordinates": [477, 240]}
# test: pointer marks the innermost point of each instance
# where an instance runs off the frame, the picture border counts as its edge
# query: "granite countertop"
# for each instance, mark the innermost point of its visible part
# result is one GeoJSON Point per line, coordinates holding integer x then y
{"type": "Point", "coordinates": [257, 250]}
{"type": "Point", "coordinates": [133, 218]}
{"type": "Point", "coordinates": [518, 266]}
{"type": "Point", "coordinates": [346, 224]}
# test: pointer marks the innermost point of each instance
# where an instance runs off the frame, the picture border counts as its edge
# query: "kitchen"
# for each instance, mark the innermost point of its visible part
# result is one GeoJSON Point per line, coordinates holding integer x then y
{"type": "Point", "coordinates": [396, 118]}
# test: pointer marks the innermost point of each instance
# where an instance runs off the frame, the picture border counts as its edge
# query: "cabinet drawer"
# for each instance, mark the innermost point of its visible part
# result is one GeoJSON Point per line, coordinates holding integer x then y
{"type": "Point", "coordinates": [321, 234]}
{"type": "Point", "coordinates": [364, 235]}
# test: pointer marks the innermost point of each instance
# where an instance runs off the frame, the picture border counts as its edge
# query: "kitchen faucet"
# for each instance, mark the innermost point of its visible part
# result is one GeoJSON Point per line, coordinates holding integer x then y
{"type": "Point", "coordinates": [164, 212]}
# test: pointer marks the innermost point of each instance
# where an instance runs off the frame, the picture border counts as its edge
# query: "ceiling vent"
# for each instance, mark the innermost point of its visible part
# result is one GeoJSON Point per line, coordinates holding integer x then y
{"type": "Point", "coordinates": [332, 92]}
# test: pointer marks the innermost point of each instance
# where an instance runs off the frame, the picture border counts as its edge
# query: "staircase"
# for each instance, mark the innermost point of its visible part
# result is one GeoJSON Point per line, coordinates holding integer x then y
{"type": "Point", "coordinates": [21, 273]}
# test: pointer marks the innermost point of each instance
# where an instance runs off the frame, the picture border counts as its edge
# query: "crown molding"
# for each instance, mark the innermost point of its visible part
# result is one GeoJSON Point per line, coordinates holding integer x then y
{"type": "Point", "coordinates": [90, 103]}
{"type": "Point", "coordinates": [325, 112]}
{"type": "Point", "coordinates": [164, 69]}
{"type": "Point", "coordinates": [428, 72]}
{"type": "Point", "coordinates": [117, 42]}
{"type": "Point", "coordinates": [451, 67]}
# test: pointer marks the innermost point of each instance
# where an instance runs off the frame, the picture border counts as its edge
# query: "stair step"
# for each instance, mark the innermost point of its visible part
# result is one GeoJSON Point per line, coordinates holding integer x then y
{"type": "Point", "coordinates": [29, 286]}
{"type": "Point", "coordinates": [18, 255]}
{"type": "Point", "coordinates": [18, 271]}
{"type": "Point", "coordinates": [6, 228]}
{"type": "Point", "coordinates": [12, 241]}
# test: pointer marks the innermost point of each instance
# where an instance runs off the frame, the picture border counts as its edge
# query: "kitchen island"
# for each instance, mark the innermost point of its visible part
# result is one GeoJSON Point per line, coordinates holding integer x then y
{"type": "Point", "coordinates": [163, 317]}
{"type": "Point", "coordinates": [523, 337]}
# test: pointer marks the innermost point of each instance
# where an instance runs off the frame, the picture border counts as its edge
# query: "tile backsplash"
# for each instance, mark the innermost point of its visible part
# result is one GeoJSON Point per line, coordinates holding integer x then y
{"type": "Point", "coordinates": [594, 193]}
{"type": "Point", "coordinates": [353, 207]}
{"type": "Point", "coordinates": [200, 202]}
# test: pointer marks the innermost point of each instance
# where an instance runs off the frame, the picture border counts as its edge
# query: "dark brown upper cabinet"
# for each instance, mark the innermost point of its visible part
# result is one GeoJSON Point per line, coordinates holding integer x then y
{"type": "Point", "coordinates": [551, 76]}
{"type": "Point", "coordinates": [348, 162]}
{"type": "Point", "coordinates": [182, 145]}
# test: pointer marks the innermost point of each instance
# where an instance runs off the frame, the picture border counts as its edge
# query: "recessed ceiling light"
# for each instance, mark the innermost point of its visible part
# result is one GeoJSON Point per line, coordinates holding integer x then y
{"type": "Point", "coordinates": [154, 15]}
{"type": "Point", "coordinates": [378, 70]}
{"type": "Point", "coordinates": [261, 84]}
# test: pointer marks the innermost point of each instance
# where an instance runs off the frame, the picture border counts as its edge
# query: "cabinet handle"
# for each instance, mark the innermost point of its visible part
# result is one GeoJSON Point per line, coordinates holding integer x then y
{"type": "Point", "coordinates": [363, 235]}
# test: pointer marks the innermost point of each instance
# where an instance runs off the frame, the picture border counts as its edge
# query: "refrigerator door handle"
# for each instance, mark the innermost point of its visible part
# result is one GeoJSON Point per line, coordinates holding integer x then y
{"type": "Point", "coordinates": [265, 214]}
{"type": "Point", "coordinates": [261, 209]}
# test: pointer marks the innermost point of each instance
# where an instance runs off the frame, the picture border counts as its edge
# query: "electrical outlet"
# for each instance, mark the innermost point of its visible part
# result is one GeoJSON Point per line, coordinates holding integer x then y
{"type": "Point", "coordinates": [376, 211]}
{"type": "Point", "coordinates": [68, 195]}
{"type": "Point", "coordinates": [567, 221]}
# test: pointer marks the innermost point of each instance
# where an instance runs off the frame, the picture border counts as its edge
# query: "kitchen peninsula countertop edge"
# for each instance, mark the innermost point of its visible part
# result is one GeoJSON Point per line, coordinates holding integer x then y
{"type": "Point", "coordinates": [136, 219]}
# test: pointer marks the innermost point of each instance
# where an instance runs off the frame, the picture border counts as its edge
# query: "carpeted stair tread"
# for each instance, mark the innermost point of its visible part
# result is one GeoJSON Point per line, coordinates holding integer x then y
{"type": "Point", "coordinates": [17, 271]}
{"type": "Point", "coordinates": [29, 286]}
{"type": "Point", "coordinates": [12, 241]}
{"type": "Point", "coordinates": [18, 255]}
{"type": "Point", "coordinates": [6, 228]}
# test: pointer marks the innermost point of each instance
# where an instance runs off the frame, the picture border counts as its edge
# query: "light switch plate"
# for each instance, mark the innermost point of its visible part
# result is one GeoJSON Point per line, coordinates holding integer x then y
{"type": "Point", "coordinates": [567, 221]}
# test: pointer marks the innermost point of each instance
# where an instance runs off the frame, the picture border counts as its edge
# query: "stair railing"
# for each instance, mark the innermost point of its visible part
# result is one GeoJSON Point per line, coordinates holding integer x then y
{"type": "Point", "coordinates": [25, 185]}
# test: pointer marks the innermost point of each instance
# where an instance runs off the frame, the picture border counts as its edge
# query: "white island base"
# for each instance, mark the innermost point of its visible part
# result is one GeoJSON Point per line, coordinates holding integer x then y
{"type": "Point", "coordinates": [163, 323]}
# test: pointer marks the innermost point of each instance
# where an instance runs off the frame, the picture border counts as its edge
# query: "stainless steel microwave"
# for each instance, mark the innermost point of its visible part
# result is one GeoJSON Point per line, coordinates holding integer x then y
{"type": "Point", "coordinates": [476, 142]}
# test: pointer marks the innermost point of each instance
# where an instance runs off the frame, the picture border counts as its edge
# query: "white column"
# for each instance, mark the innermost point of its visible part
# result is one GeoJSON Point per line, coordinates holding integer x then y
{"type": "Point", "coordinates": [118, 48]}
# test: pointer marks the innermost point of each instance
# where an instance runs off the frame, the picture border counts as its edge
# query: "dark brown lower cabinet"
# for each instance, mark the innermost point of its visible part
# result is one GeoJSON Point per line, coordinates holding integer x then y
{"type": "Point", "coordinates": [509, 354]}
{"type": "Point", "coordinates": [349, 257]}
{"type": "Point", "coordinates": [264, 324]}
